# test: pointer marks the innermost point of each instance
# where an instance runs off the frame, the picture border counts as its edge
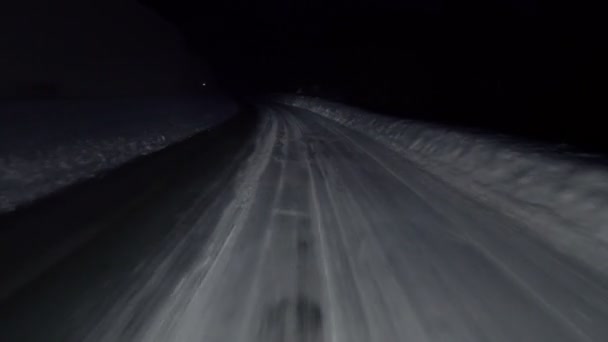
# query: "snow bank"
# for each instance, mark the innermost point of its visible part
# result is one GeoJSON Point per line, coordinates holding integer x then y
{"type": "Point", "coordinates": [562, 198]}
{"type": "Point", "coordinates": [47, 145]}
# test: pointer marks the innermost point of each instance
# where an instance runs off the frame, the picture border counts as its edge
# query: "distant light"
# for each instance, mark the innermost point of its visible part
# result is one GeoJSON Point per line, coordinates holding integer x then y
{"type": "Point", "coordinates": [204, 84]}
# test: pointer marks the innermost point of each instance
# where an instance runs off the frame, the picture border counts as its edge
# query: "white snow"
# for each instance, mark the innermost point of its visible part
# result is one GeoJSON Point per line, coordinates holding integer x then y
{"type": "Point", "coordinates": [47, 145]}
{"type": "Point", "coordinates": [562, 198]}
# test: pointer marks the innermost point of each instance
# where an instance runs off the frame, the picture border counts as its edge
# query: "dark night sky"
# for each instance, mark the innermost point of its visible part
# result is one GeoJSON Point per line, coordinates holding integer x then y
{"type": "Point", "coordinates": [90, 48]}
{"type": "Point", "coordinates": [524, 67]}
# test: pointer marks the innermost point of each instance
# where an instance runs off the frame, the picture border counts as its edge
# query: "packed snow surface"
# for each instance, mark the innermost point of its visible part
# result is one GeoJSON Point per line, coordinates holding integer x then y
{"type": "Point", "coordinates": [48, 145]}
{"type": "Point", "coordinates": [561, 197]}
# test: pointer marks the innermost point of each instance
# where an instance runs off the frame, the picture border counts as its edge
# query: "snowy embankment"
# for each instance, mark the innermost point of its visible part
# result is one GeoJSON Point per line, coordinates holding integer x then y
{"type": "Point", "coordinates": [48, 145]}
{"type": "Point", "coordinates": [562, 199]}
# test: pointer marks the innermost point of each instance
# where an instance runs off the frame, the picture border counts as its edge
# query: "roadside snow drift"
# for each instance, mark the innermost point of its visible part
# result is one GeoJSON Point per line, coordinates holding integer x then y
{"type": "Point", "coordinates": [47, 145]}
{"type": "Point", "coordinates": [562, 198]}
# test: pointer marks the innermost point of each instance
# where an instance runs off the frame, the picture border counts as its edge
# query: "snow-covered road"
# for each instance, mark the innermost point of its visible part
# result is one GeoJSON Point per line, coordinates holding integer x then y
{"type": "Point", "coordinates": [329, 236]}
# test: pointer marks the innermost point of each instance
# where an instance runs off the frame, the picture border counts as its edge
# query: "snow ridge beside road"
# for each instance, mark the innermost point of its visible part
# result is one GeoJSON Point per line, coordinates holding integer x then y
{"type": "Point", "coordinates": [48, 145]}
{"type": "Point", "coordinates": [563, 200]}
